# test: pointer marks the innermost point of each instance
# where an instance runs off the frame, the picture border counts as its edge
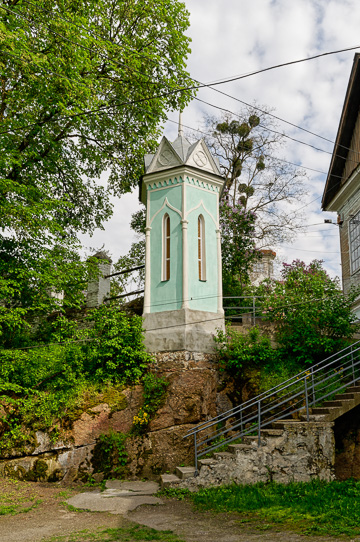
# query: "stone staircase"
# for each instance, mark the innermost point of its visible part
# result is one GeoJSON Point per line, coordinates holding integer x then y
{"type": "Point", "coordinates": [295, 449]}
{"type": "Point", "coordinates": [342, 403]}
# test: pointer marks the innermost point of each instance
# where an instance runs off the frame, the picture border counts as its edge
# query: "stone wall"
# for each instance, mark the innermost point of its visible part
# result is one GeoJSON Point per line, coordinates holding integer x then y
{"type": "Point", "coordinates": [191, 397]}
{"type": "Point", "coordinates": [300, 452]}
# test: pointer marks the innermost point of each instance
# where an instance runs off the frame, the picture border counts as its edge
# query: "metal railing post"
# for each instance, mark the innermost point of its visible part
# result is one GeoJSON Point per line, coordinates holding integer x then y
{"type": "Point", "coordinates": [313, 386]}
{"type": "Point", "coordinates": [306, 400]}
{"type": "Point", "coordinates": [254, 321]}
{"type": "Point", "coordinates": [196, 458]}
{"type": "Point", "coordinates": [241, 422]}
{"type": "Point", "coordinates": [352, 362]}
{"type": "Point", "coordinates": [259, 423]}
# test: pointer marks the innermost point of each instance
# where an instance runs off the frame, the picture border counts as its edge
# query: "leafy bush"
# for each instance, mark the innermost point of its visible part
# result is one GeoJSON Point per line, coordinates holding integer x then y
{"type": "Point", "coordinates": [313, 317]}
{"type": "Point", "coordinates": [117, 352]}
{"type": "Point", "coordinates": [109, 454]}
{"type": "Point", "coordinates": [42, 384]}
{"type": "Point", "coordinates": [239, 350]}
{"type": "Point", "coordinates": [154, 395]}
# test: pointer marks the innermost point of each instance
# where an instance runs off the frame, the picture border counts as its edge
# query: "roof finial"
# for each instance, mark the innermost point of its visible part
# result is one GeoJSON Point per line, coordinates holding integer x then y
{"type": "Point", "coordinates": [180, 131]}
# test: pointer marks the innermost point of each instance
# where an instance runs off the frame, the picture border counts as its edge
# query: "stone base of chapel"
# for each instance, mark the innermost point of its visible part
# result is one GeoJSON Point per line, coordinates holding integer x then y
{"type": "Point", "coordinates": [184, 329]}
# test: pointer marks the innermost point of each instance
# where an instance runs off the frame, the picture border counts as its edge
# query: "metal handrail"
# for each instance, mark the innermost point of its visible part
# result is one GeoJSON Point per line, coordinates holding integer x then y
{"type": "Point", "coordinates": [289, 398]}
{"type": "Point", "coordinates": [242, 310]}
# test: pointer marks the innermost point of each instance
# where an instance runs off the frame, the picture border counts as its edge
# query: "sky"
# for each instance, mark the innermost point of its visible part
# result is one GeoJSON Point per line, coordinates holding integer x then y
{"type": "Point", "coordinates": [236, 37]}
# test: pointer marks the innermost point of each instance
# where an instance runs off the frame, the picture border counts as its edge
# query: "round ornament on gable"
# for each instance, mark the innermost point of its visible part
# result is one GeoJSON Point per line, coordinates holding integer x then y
{"type": "Point", "coordinates": [166, 157]}
{"type": "Point", "coordinates": [200, 159]}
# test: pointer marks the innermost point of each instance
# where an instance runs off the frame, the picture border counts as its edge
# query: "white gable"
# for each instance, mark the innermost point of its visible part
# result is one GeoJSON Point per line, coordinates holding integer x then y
{"type": "Point", "coordinates": [164, 158]}
{"type": "Point", "coordinates": [200, 157]}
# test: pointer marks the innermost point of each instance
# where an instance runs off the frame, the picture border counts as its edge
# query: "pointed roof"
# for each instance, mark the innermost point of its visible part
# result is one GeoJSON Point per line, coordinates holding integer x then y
{"type": "Point", "coordinates": [349, 117]}
{"type": "Point", "coordinates": [182, 152]}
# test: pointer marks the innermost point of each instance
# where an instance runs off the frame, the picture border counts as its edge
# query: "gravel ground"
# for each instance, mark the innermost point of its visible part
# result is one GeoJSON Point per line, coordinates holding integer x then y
{"type": "Point", "coordinates": [52, 517]}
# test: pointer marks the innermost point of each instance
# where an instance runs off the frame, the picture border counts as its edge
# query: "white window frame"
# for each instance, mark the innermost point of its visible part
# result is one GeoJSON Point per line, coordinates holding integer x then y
{"type": "Point", "coordinates": [166, 248]}
{"type": "Point", "coordinates": [354, 243]}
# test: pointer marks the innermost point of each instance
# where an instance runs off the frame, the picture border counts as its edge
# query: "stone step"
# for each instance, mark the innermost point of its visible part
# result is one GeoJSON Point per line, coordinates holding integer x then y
{"type": "Point", "coordinates": [207, 462]}
{"type": "Point", "coordinates": [168, 480]}
{"type": "Point", "coordinates": [234, 448]}
{"type": "Point", "coordinates": [315, 418]}
{"type": "Point", "coordinates": [272, 433]}
{"type": "Point", "coordinates": [185, 472]}
{"type": "Point", "coordinates": [248, 439]}
{"type": "Point", "coordinates": [341, 396]}
{"type": "Point", "coordinates": [354, 389]}
{"type": "Point", "coordinates": [324, 410]}
{"type": "Point", "coordinates": [223, 455]}
{"type": "Point", "coordinates": [335, 403]}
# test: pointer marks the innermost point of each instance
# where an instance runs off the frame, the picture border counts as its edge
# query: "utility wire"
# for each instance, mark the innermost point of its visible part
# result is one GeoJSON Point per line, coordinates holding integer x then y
{"type": "Point", "coordinates": [206, 85]}
{"type": "Point", "coordinates": [151, 98]}
{"type": "Point", "coordinates": [216, 83]}
{"type": "Point", "coordinates": [203, 85]}
{"type": "Point", "coordinates": [264, 127]}
{"type": "Point", "coordinates": [217, 318]}
{"type": "Point", "coordinates": [211, 105]}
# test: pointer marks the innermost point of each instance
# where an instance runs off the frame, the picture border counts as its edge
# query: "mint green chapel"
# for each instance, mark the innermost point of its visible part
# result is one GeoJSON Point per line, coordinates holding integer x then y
{"type": "Point", "coordinates": [183, 283]}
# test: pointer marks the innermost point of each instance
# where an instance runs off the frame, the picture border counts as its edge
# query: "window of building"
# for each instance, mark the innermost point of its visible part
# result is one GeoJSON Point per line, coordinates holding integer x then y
{"type": "Point", "coordinates": [259, 267]}
{"type": "Point", "coordinates": [201, 248]}
{"type": "Point", "coordinates": [166, 248]}
{"type": "Point", "coordinates": [354, 242]}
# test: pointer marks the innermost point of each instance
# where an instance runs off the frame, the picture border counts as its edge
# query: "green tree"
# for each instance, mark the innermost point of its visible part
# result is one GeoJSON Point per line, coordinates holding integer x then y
{"type": "Point", "coordinates": [247, 147]}
{"type": "Point", "coordinates": [237, 245]}
{"type": "Point", "coordinates": [134, 258]}
{"type": "Point", "coordinates": [313, 317]}
{"type": "Point", "coordinates": [84, 87]}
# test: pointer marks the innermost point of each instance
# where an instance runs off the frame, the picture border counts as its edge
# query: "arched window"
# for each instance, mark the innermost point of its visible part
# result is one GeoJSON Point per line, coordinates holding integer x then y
{"type": "Point", "coordinates": [166, 248]}
{"type": "Point", "coordinates": [201, 248]}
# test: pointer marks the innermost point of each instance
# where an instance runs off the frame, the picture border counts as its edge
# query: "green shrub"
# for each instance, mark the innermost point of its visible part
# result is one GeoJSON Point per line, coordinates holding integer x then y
{"type": "Point", "coordinates": [117, 352]}
{"type": "Point", "coordinates": [313, 317]}
{"type": "Point", "coordinates": [40, 385]}
{"type": "Point", "coordinates": [109, 455]}
{"type": "Point", "coordinates": [238, 350]}
{"type": "Point", "coordinates": [154, 396]}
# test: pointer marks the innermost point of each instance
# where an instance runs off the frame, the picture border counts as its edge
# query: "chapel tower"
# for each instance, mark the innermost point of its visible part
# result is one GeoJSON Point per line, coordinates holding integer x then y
{"type": "Point", "coordinates": [183, 282]}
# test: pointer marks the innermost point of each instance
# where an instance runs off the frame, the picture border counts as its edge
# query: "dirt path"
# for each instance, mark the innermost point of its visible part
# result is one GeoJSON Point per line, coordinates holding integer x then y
{"type": "Point", "coordinates": [51, 517]}
{"type": "Point", "coordinates": [194, 526]}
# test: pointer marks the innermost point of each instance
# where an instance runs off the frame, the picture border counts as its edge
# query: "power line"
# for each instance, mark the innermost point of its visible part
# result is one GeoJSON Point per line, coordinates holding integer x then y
{"type": "Point", "coordinates": [226, 80]}
{"type": "Point", "coordinates": [306, 250]}
{"type": "Point", "coordinates": [128, 103]}
{"type": "Point", "coordinates": [207, 135]}
{"type": "Point", "coordinates": [205, 85]}
{"type": "Point", "coordinates": [173, 91]}
{"type": "Point", "coordinates": [264, 127]}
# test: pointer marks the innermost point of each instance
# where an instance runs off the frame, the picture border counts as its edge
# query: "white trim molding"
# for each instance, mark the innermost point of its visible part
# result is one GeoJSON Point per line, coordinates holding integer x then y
{"type": "Point", "coordinates": [201, 204]}
{"type": "Point", "coordinates": [166, 204]}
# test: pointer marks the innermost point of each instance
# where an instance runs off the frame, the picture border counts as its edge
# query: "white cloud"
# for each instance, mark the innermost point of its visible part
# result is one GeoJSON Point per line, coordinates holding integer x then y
{"type": "Point", "coordinates": [232, 37]}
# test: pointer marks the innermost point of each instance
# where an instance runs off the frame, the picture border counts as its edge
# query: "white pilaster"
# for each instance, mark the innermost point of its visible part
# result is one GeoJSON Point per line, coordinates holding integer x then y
{"type": "Point", "coordinates": [147, 271]}
{"type": "Point", "coordinates": [219, 289]}
{"type": "Point", "coordinates": [185, 266]}
{"type": "Point", "coordinates": [185, 277]}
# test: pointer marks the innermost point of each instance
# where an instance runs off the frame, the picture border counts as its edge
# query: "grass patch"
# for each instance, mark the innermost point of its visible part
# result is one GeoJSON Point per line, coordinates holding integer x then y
{"type": "Point", "coordinates": [15, 499]}
{"type": "Point", "coordinates": [178, 493]}
{"type": "Point", "coordinates": [316, 507]}
{"type": "Point", "coordinates": [137, 533]}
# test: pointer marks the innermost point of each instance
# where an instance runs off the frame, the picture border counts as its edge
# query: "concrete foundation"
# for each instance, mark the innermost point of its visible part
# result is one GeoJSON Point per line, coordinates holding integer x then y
{"type": "Point", "coordinates": [183, 329]}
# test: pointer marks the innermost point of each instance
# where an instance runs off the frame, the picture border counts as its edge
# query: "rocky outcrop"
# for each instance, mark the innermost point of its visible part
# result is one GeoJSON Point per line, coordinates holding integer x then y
{"type": "Point", "coordinates": [191, 398]}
